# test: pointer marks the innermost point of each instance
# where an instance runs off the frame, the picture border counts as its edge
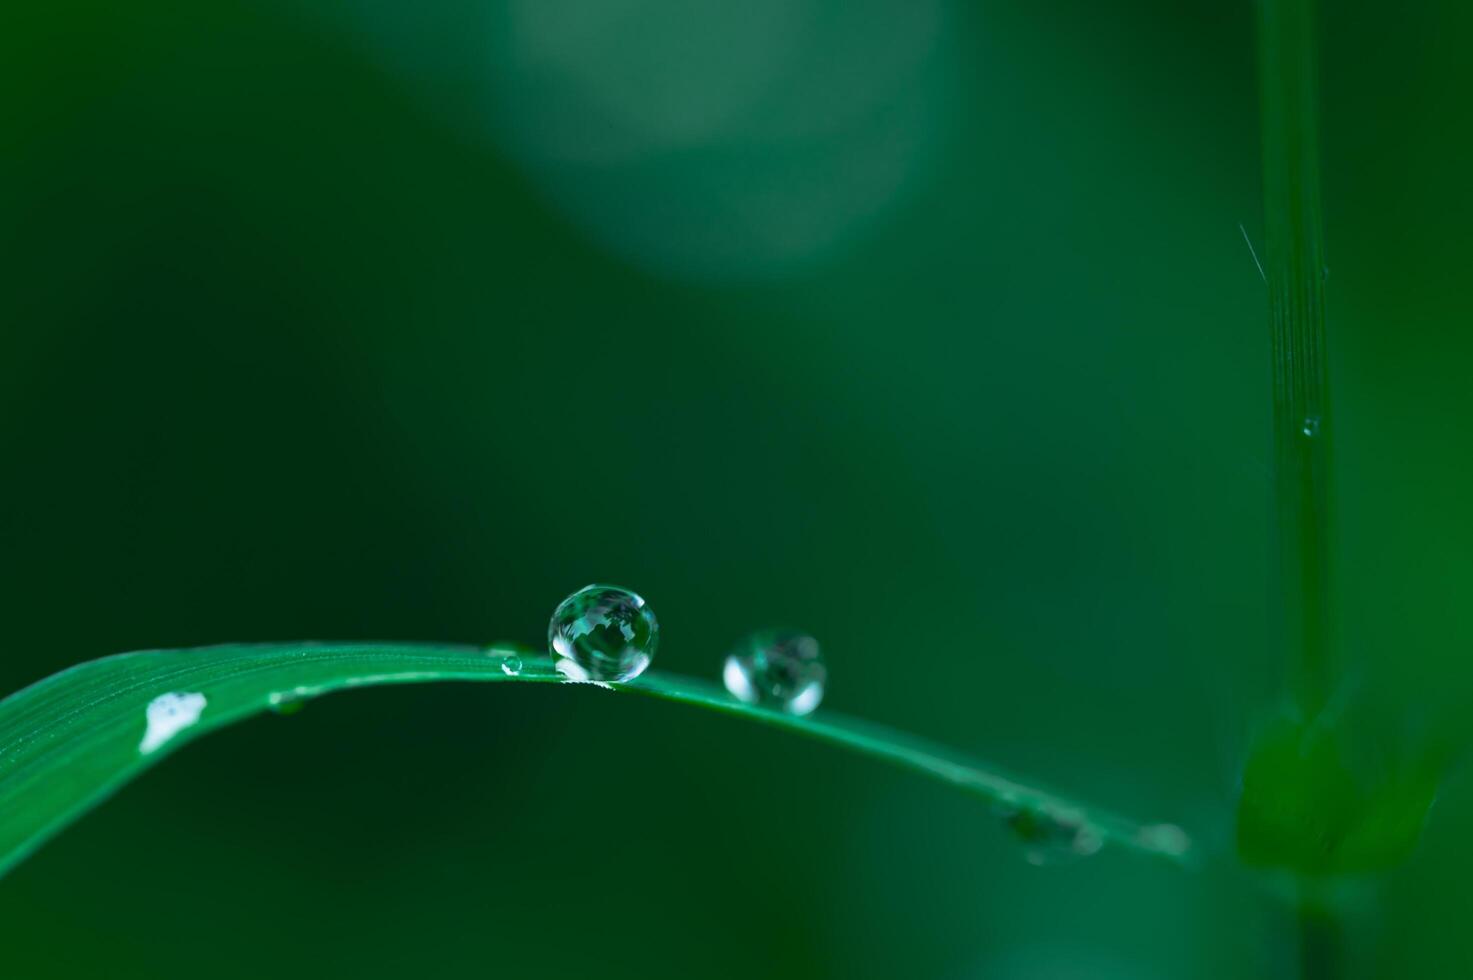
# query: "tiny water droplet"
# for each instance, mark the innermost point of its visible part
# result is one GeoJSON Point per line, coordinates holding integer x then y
{"type": "Point", "coordinates": [1167, 838]}
{"type": "Point", "coordinates": [169, 714]}
{"type": "Point", "coordinates": [779, 668]}
{"type": "Point", "coordinates": [286, 704]}
{"type": "Point", "coordinates": [511, 665]}
{"type": "Point", "coordinates": [603, 634]}
{"type": "Point", "coordinates": [1311, 426]}
{"type": "Point", "coordinates": [290, 702]}
{"type": "Point", "coordinates": [1053, 838]}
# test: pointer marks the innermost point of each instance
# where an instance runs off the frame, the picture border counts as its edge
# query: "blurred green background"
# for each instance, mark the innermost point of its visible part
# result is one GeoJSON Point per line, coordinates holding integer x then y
{"type": "Point", "coordinates": [925, 326]}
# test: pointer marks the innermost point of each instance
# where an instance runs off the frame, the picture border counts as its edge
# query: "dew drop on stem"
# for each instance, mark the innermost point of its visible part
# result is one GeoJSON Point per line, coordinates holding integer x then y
{"type": "Point", "coordinates": [779, 668]}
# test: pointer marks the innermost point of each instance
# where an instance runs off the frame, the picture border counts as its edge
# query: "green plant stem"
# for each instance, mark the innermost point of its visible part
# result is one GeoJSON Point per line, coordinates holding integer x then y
{"type": "Point", "coordinates": [1302, 427]}
{"type": "Point", "coordinates": [1295, 268]}
{"type": "Point", "coordinates": [1319, 938]}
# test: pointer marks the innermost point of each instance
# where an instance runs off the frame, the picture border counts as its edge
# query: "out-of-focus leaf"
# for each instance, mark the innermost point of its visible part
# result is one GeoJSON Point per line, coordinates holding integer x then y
{"type": "Point", "coordinates": [1302, 809]}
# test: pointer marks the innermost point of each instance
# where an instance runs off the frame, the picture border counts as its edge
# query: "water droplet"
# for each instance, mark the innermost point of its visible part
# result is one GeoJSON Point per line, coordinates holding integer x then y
{"type": "Point", "coordinates": [779, 668]}
{"type": "Point", "coordinates": [1311, 426]}
{"type": "Point", "coordinates": [290, 702]}
{"type": "Point", "coordinates": [167, 715]}
{"type": "Point", "coordinates": [603, 634]}
{"type": "Point", "coordinates": [1053, 838]}
{"type": "Point", "coordinates": [511, 665]}
{"type": "Point", "coordinates": [1167, 838]}
{"type": "Point", "coordinates": [286, 703]}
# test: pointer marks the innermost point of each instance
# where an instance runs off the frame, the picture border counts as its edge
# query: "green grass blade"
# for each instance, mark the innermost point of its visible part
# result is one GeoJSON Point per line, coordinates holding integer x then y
{"type": "Point", "coordinates": [1294, 263]}
{"type": "Point", "coordinates": [69, 741]}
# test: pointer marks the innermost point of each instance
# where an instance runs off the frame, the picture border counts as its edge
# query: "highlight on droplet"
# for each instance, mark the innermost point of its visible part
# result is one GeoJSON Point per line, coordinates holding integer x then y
{"type": "Point", "coordinates": [168, 715]}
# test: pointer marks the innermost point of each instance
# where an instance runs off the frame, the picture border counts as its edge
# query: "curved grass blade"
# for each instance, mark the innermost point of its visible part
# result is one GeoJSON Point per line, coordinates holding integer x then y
{"type": "Point", "coordinates": [71, 740]}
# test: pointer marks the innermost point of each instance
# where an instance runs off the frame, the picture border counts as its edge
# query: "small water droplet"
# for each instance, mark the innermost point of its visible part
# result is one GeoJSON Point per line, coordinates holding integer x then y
{"type": "Point", "coordinates": [511, 665]}
{"type": "Point", "coordinates": [1167, 838]}
{"type": "Point", "coordinates": [286, 703]}
{"type": "Point", "coordinates": [603, 634]}
{"type": "Point", "coordinates": [1311, 426]}
{"type": "Point", "coordinates": [779, 668]}
{"type": "Point", "coordinates": [1053, 838]}
{"type": "Point", "coordinates": [290, 702]}
{"type": "Point", "coordinates": [167, 715]}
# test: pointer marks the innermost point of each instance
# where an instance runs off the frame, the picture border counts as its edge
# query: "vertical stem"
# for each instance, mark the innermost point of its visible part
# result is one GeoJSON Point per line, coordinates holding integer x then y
{"type": "Point", "coordinates": [1295, 268]}
{"type": "Point", "coordinates": [1288, 71]}
{"type": "Point", "coordinates": [1319, 940]}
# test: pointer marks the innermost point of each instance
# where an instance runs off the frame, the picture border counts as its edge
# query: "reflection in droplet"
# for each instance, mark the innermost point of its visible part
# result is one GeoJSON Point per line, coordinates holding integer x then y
{"type": "Point", "coordinates": [1311, 426]}
{"type": "Point", "coordinates": [574, 674]}
{"type": "Point", "coordinates": [511, 665]}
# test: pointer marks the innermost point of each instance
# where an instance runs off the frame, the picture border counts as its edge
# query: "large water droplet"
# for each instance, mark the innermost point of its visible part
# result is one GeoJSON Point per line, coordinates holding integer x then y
{"type": "Point", "coordinates": [604, 634]}
{"type": "Point", "coordinates": [779, 668]}
{"type": "Point", "coordinates": [1311, 427]}
{"type": "Point", "coordinates": [1053, 838]}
